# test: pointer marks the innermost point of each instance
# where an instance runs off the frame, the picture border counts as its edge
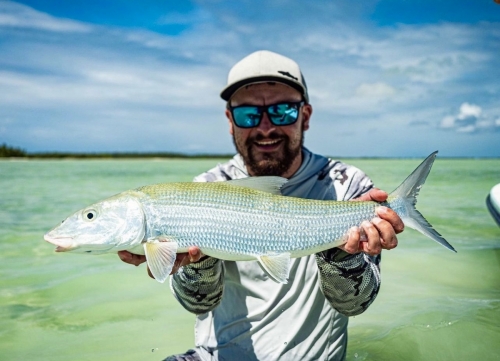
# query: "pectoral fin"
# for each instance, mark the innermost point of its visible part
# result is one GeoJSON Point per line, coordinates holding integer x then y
{"type": "Point", "coordinates": [160, 255]}
{"type": "Point", "coordinates": [277, 266]}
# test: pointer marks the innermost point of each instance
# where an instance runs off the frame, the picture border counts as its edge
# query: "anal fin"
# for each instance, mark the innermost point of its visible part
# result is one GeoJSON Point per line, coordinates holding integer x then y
{"type": "Point", "coordinates": [277, 266]}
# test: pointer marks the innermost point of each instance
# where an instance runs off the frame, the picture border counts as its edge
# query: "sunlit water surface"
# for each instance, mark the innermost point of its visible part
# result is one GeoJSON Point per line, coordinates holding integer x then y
{"type": "Point", "coordinates": [433, 305]}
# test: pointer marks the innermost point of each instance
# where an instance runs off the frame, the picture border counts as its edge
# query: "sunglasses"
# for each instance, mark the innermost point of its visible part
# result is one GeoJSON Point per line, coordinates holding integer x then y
{"type": "Point", "coordinates": [250, 116]}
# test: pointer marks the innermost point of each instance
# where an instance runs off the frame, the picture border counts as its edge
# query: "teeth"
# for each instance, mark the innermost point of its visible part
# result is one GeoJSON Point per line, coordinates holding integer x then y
{"type": "Point", "coordinates": [269, 142]}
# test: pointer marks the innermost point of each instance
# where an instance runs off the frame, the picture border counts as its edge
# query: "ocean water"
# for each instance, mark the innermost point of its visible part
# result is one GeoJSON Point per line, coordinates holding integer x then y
{"type": "Point", "coordinates": [433, 304]}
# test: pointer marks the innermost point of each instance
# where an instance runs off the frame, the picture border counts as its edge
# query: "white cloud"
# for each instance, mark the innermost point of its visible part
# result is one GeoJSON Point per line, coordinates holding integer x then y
{"type": "Point", "coordinates": [376, 90]}
{"type": "Point", "coordinates": [21, 16]}
{"type": "Point", "coordinates": [469, 110]}
{"type": "Point", "coordinates": [467, 129]}
{"type": "Point", "coordinates": [448, 122]}
{"type": "Point", "coordinates": [484, 124]}
{"type": "Point", "coordinates": [469, 119]}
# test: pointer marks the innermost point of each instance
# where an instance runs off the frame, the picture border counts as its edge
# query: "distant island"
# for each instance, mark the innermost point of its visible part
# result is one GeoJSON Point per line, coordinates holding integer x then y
{"type": "Point", "coordinates": [7, 151]}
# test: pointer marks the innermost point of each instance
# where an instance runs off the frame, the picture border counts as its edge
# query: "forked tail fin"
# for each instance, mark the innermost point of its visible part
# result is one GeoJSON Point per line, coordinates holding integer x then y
{"type": "Point", "coordinates": [404, 198]}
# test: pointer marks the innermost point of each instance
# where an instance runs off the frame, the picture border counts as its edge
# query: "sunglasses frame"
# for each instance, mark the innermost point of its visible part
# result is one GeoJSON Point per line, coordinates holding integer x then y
{"type": "Point", "coordinates": [265, 109]}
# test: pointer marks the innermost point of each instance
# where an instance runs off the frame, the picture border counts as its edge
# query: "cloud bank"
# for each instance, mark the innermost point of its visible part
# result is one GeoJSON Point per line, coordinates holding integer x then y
{"type": "Point", "coordinates": [377, 90]}
{"type": "Point", "coordinates": [470, 118]}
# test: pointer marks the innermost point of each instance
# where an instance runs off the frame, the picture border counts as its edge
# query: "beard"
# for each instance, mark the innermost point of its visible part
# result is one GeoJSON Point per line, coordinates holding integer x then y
{"type": "Point", "coordinates": [270, 164]}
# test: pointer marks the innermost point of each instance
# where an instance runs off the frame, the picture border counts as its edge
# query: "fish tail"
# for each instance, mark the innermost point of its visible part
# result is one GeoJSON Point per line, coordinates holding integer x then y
{"type": "Point", "coordinates": [404, 198]}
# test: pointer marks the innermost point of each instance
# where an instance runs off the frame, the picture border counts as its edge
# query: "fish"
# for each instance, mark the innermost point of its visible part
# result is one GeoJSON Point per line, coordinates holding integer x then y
{"type": "Point", "coordinates": [236, 220]}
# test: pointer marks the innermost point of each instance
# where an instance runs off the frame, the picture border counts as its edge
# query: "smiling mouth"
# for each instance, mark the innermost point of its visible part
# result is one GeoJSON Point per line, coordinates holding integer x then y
{"type": "Point", "coordinates": [268, 144]}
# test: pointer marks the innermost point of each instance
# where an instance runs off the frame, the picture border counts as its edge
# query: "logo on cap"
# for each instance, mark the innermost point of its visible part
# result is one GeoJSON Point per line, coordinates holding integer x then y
{"type": "Point", "coordinates": [285, 73]}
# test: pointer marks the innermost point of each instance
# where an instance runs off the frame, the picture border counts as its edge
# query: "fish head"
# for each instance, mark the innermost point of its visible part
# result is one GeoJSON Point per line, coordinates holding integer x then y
{"type": "Point", "coordinates": [115, 224]}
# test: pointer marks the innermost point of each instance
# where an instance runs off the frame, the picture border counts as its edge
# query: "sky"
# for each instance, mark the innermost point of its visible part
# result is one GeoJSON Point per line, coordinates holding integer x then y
{"type": "Point", "coordinates": [386, 78]}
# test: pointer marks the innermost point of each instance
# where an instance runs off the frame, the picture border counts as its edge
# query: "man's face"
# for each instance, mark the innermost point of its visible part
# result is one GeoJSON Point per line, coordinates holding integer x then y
{"type": "Point", "coordinates": [269, 149]}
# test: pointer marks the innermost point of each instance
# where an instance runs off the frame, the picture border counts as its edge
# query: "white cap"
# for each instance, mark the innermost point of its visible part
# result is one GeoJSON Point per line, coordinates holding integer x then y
{"type": "Point", "coordinates": [263, 66]}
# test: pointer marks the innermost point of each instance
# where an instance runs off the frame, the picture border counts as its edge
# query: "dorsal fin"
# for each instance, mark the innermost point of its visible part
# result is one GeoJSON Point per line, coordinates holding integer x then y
{"type": "Point", "coordinates": [269, 184]}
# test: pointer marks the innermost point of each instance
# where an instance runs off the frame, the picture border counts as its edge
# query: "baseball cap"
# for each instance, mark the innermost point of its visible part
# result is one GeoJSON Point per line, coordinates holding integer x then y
{"type": "Point", "coordinates": [263, 66]}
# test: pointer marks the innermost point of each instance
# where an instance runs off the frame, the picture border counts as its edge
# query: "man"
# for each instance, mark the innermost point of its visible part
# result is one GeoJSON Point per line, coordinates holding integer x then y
{"type": "Point", "coordinates": [242, 314]}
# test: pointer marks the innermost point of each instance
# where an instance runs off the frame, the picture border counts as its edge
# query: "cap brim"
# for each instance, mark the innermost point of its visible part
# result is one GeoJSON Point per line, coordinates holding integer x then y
{"type": "Point", "coordinates": [228, 91]}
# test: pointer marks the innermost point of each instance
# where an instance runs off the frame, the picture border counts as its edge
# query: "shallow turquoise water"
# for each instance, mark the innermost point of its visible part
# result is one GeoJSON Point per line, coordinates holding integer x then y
{"type": "Point", "coordinates": [433, 305]}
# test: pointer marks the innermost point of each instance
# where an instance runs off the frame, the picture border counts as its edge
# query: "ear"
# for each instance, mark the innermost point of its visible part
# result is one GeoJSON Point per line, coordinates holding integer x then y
{"type": "Point", "coordinates": [306, 115]}
{"type": "Point", "coordinates": [231, 124]}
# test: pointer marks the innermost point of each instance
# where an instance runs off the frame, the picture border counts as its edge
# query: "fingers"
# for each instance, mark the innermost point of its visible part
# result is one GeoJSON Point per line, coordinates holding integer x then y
{"type": "Point", "coordinates": [392, 217]}
{"type": "Point", "coordinates": [353, 241]}
{"type": "Point", "coordinates": [387, 234]}
{"type": "Point", "coordinates": [371, 237]}
{"type": "Point", "coordinates": [374, 194]}
{"type": "Point", "coordinates": [179, 262]}
{"type": "Point", "coordinates": [380, 233]}
{"type": "Point", "coordinates": [193, 255]}
{"type": "Point", "coordinates": [149, 273]}
{"type": "Point", "coordinates": [373, 245]}
{"type": "Point", "coordinates": [135, 259]}
{"type": "Point", "coordinates": [131, 258]}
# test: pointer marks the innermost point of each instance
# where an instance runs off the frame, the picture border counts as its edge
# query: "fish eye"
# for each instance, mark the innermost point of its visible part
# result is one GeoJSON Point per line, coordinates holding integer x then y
{"type": "Point", "coordinates": [89, 215]}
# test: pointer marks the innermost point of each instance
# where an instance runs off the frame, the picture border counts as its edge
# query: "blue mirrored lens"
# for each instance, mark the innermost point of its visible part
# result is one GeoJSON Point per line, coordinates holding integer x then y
{"type": "Point", "coordinates": [283, 114]}
{"type": "Point", "coordinates": [247, 117]}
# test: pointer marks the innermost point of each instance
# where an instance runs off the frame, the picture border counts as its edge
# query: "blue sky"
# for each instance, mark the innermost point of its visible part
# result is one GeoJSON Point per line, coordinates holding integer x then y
{"type": "Point", "coordinates": [386, 78]}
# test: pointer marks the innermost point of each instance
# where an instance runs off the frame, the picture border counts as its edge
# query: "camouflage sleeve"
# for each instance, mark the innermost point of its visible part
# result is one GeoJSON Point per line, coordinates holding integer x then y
{"type": "Point", "coordinates": [349, 282]}
{"type": "Point", "coordinates": [199, 286]}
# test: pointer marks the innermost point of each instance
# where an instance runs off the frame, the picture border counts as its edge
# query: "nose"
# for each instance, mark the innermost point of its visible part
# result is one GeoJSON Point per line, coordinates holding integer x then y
{"type": "Point", "coordinates": [265, 127]}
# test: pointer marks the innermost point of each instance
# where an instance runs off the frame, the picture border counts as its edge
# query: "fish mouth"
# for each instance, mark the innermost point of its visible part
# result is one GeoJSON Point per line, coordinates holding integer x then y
{"type": "Point", "coordinates": [64, 244]}
{"type": "Point", "coordinates": [63, 249]}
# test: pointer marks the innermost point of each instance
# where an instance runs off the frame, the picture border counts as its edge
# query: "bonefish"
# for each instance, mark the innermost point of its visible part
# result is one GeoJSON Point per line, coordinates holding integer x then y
{"type": "Point", "coordinates": [237, 220]}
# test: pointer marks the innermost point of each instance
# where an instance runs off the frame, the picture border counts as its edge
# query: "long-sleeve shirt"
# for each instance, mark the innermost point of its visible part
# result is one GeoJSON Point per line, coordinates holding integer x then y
{"type": "Point", "coordinates": [242, 314]}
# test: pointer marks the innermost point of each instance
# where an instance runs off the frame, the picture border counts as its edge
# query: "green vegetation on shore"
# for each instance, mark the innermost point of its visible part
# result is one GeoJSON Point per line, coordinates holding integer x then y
{"type": "Point", "coordinates": [7, 151]}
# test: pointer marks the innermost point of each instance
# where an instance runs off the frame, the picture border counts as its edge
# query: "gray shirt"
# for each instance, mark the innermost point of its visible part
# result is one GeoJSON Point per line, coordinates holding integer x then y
{"type": "Point", "coordinates": [244, 315]}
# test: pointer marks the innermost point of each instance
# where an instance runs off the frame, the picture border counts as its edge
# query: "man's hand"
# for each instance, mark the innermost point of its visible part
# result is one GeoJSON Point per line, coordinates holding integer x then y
{"type": "Point", "coordinates": [182, 259]}
{"type": "Point", "coordinates": [379, 233]}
